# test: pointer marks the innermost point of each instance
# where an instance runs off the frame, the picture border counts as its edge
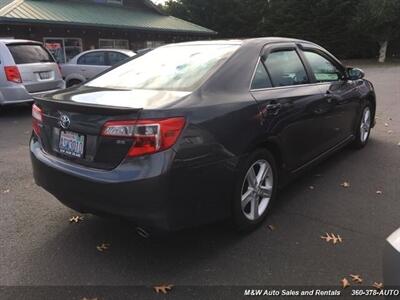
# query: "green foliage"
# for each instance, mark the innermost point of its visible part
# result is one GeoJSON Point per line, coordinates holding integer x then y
{"type": "Point", "coordinates": [230, 18]}
{"type": "Point", "coordinates": [379, 20]}
{"type": "Point", "coordinates": [349, 28]}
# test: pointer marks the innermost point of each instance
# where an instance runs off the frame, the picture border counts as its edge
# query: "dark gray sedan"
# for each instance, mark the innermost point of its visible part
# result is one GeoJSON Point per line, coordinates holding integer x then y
{"type": "Point", "coordinates": [191, 133]}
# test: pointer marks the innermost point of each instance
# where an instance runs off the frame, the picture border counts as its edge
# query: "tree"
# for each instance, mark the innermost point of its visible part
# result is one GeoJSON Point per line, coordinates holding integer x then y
{"type": "Point", "coordinates": [380, 21]}
{"type": "Point", "coordinates": [348, 28]}
{"type": "Point", "coordinates": [230, 18]}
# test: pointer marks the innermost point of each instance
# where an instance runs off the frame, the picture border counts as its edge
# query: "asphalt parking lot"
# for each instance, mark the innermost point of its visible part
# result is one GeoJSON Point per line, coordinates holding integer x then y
{"type": "Point", "coordinates": [41, 248]}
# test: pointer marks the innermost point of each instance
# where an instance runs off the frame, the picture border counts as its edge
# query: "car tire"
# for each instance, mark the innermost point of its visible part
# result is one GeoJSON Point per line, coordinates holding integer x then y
{"type": "Point", "coordinates": [251, 202]}
{"type": "Point", "coordinates": [73, 82]}
{"type": "Point", "coordinates": [364, 126]}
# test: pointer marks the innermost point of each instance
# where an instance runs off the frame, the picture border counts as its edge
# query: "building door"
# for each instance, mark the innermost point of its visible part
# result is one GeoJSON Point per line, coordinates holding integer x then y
{"type": "Point", "coordinates": [56, 48]}
{"type": "Point", "coordinates": [63, 49]}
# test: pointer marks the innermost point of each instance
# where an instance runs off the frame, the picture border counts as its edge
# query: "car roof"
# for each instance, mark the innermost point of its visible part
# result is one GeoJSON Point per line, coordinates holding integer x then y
{"type": "Point", "coordinates": [18, 41]}
{"type": "Point", "coordinates": [255, 41]}
{"type": "Point", "coordinates": [124, 51]}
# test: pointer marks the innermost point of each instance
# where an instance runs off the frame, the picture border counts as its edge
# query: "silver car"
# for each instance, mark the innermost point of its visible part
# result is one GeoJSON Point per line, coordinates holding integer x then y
{"type": "Point", "coordinates": [88, 64]}
{"type": "Point", "coordinates": [27, 69]}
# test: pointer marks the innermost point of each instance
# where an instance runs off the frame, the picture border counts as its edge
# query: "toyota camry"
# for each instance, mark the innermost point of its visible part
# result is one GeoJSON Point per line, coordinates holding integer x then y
{"type": "Point", "coordinates": [196, 132]}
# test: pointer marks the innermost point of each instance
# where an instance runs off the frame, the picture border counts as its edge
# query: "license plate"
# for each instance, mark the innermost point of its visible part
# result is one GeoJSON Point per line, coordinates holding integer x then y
{"type": "Point", "coordinates": [71, 143]}
{"type": "Point", "coordinates": [44, 75]}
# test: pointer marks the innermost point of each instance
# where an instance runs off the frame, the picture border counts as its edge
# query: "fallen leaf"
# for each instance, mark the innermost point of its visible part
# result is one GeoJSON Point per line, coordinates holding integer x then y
{"type": "Point", "coordinates": [346, 184]}
{"type": "Point", "coordinates": [76, 219]}
{"type": "Point", "coordinates": [379, 192]}
{"type": "Point", "coordinates": [335, 239]}
{"type": "Point", "coordinates": [271, 227]}
{"type": "Point", "coordinates": [378, 286]}
{"type": "Point", "coordinates": [6, 191]}
{"type": "Point", "coordinates": [356, 278]}
{"type": "Point", "coordinates": [103, 247]}
{"type": "Point", "coordinates": [163, 288]}
{"type": "Point", "coordinates": [345, 283]}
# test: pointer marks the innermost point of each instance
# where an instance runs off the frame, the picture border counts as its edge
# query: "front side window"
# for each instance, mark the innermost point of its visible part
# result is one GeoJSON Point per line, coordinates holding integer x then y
{"type": "Point", "coordinates": [286, 68]}
{"type": "Point", "coordinates": [29, 54]}
{"type": "Point", "coordinates": [261, 78]}
{"type": "Point", "coordinates": [93, 59]}
{"type": "Point", "coordinates": [323, 69]}
{"type": "Point", "coordinates": [174, 68]}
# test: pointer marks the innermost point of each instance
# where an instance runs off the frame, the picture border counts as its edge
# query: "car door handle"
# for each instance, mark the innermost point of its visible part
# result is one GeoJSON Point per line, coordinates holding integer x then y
{"type": "Point", "coordinates": [273, 108]}
{"type": "Point", "coordinates": [332, 98]}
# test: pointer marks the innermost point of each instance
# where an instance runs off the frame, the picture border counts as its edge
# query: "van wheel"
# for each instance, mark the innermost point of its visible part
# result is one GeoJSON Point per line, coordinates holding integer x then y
{"type": "Point", "coordinates": [73, 82]}
{"type": "Point", "coordinates": [256, 188]}
{"type": "Point", "coordinates": [363, 128]}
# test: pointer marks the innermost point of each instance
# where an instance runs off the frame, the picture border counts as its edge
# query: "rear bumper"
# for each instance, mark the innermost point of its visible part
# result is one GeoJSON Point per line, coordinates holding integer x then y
{"type": "Point", "coordinates": [154, 191]}
{"type": "Point", "coordinates": [138, 196]}
{"type": "Point", "coordinates": [18, 93]}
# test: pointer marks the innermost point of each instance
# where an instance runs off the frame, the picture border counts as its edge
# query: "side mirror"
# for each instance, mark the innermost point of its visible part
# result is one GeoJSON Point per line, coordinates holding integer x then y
{"type": "Point", "coordinates": [355, 74]}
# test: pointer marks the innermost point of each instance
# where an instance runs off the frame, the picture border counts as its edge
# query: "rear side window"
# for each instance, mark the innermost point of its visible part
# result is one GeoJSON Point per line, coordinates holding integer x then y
{"type": "Point", "coordinates": [261, 78]}
{"type": "Point", "coordinates": [286, 68]}
{"type": "Point", "coordinates": [323, 69]}
{"type": "Point", "coordinates": [29, 54]}
{"type": "Point", "coordinates": [116, 57]}
{"type": "Point", "coordinates": [94, 59]}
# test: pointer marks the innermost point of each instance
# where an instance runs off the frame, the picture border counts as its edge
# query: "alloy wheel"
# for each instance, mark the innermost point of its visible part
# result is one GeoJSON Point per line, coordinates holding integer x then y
{"type": "Point", "coordinates": [365, 125]}
{"type": "Point", "coordinates": [257, 190]}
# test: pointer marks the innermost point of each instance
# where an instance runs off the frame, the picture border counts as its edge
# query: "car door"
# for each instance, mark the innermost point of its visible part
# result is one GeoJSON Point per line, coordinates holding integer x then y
{"type": "Point", "coordinates": [343, 94]}
{"type": "Point", "coordinates": [293, 106]}
{"type": "Point", "coordinates": [92, 63]}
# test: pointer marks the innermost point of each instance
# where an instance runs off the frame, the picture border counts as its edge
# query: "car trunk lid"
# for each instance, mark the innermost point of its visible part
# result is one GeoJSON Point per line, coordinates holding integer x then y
{"type": "Point", "coordinates": [73, 132]}
{"type": "Point", "coordinates": [86, 110]}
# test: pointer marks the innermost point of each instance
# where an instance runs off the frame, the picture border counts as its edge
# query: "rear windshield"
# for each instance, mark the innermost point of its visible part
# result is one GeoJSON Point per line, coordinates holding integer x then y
{"type": "Point", "coordinates": [29, 54]}
{"type": "Point", "coordinates": [173, 68]}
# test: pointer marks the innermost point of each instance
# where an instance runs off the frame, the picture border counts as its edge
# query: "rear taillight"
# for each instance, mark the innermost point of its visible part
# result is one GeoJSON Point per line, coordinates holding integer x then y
{"type": "Point", "coordinates": [12, 74]}
{"type": "Point", "coordinates": [37, 119]}
{"type": "Point", "coordinates": [149, 136]}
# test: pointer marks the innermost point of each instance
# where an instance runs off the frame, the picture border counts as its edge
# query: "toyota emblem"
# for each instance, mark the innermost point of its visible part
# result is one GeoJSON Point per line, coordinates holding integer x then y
{"type": "Point", "coordinates": [64, 121]}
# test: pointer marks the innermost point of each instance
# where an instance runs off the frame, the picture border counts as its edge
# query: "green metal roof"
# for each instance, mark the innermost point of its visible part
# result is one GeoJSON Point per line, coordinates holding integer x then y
{"type": "Point", "coordinates": [4, 3]}
{"type": "Point", "coordinates": [92, 14]}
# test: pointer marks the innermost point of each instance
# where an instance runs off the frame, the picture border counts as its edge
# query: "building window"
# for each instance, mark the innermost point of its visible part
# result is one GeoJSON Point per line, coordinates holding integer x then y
{"type": "Point", "coordinates": [113, 44]}
{"type": "Point", "coordinates": [154, 44]}
{"type": "Point", "coordinates": [63, 49]}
